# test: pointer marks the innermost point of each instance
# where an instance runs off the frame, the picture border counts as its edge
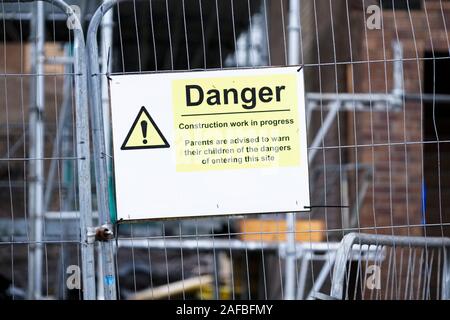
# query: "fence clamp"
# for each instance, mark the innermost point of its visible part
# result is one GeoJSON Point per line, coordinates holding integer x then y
{"type": "Point", "coordinates": [101, 233]}
{"type": "Point", "coordinates": [104, 232]}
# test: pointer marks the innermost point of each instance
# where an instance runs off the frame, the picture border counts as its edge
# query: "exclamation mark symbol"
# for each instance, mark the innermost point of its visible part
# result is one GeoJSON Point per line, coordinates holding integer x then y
{"type": "Point", "coordinates": [144, 131]}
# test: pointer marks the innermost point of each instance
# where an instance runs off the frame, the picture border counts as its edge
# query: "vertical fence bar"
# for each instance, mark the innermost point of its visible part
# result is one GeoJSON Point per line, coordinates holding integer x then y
{"type": "Point", "coordinates": [39, 110]}
{"type": "Point", "coordinates": [106, 56]}
{"type": "Point", "coordinates": [293, 59]}
{"type": "Point", "coordinates": [84, 173]}
{"type": "Point", "coordinates": [36, 150]}
{"type": "Point", "coordinates": [106, 53]}
{"type": "Point", "coordinates": [30, 168]}
{"type": "Point", "coordinates": [100, 152]}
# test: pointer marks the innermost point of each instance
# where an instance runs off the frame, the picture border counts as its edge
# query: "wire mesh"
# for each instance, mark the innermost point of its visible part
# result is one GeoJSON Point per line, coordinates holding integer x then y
{"type": "Point", "coordinates": [376, 103]}
{"type": "Point", "coordinates": [40, 232]}
{"type": "Point", "coordinates": [410, 269]}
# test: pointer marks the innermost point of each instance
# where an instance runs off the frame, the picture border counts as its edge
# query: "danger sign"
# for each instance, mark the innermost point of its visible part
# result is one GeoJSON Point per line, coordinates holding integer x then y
{"type": "Point", "coordinates": [246, 122]}
{"type": "Point", "coordinates": [209, 143]}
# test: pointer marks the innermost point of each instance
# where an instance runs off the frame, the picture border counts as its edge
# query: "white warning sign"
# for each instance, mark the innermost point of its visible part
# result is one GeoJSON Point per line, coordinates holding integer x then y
{"type": "Point", "coordinates": [209, 143]}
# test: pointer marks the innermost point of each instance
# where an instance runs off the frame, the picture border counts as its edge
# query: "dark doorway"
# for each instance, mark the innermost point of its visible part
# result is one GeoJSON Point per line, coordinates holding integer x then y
{"type": "Point", "coordinates": [437, 154]}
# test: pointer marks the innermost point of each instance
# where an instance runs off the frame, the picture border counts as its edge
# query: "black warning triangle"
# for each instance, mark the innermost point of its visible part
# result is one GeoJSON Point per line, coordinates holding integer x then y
{"type": "Point", "coordinates": [144, 134]}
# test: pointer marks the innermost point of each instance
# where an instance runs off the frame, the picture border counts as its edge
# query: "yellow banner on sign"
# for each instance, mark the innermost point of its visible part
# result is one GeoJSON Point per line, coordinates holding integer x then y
{"type": "Point", "coordinates": [236, 122]}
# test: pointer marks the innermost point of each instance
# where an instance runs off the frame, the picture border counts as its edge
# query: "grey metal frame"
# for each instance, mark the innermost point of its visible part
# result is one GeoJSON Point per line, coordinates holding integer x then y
{"type": "Point", "coordinates": [99, 147]}
{"type": "Point", "coordinates": [36, 151]}
{"type": "Point", "coordinates": [346, 247]}
{"type": "Point", "coordinates": [293, 59]}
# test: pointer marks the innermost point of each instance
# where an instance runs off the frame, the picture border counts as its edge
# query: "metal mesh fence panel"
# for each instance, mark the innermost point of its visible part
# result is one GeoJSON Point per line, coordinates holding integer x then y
{"type": "Point", "coordinates": [376, 98]}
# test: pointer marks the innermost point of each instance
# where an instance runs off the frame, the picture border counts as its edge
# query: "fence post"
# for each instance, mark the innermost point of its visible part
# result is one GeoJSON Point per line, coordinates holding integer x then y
{"type": "Point", "coordinates": [100, 152]}
{"type": "Point", "coordinates": [293, 59]}
{"type": "Point", "coordinates": [36, 151]}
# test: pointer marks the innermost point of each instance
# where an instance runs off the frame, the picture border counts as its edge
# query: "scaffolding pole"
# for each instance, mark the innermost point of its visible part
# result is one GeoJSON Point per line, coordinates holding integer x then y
{"type": "Point", "coordinates": [293, 59]}
{"type": "Point", "coordinates": [36, 151]}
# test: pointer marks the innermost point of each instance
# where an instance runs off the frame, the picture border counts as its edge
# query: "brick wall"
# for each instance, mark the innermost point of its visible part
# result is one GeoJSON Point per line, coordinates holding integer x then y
{"type": "Point", "coordinates": [395, 194]}
{"type": "Point", "coordinates": [336, 61]}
